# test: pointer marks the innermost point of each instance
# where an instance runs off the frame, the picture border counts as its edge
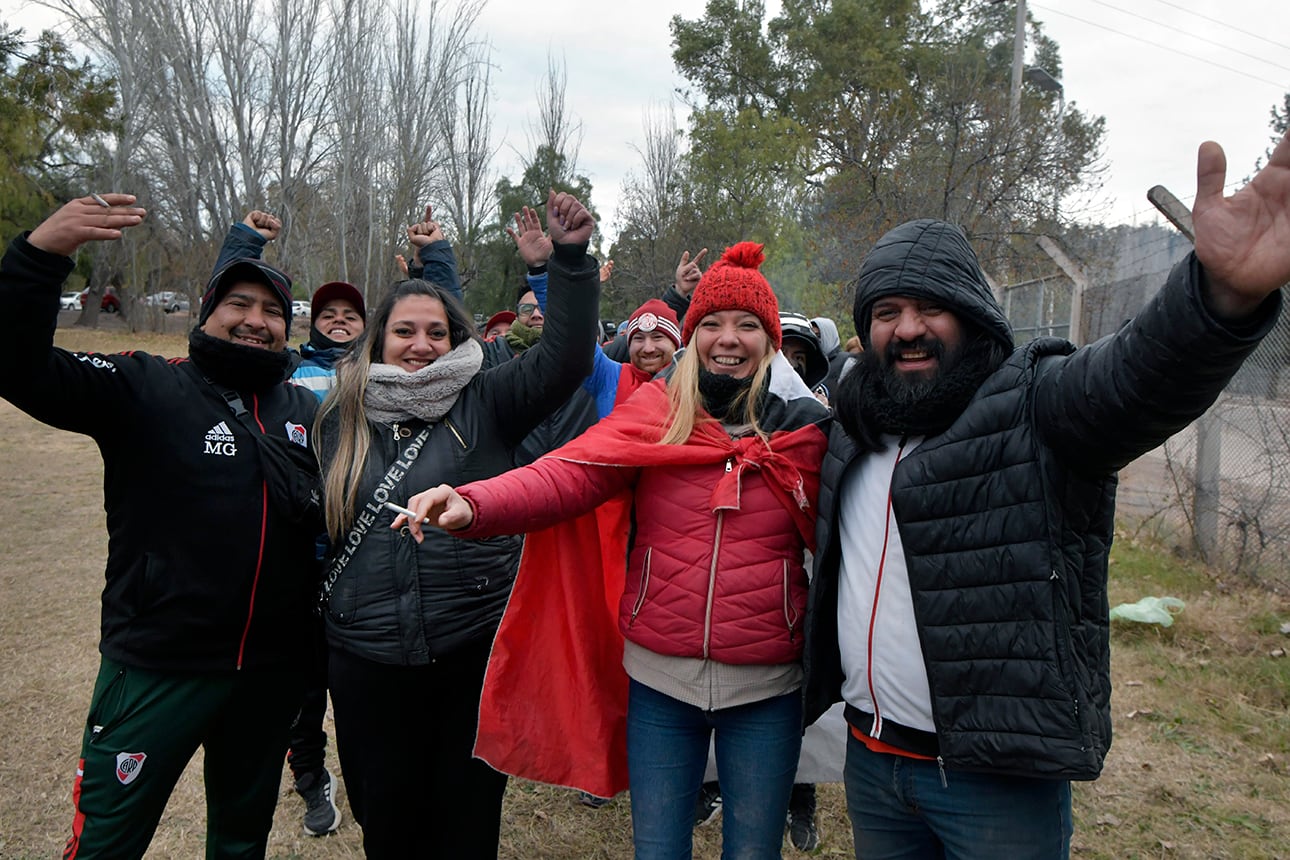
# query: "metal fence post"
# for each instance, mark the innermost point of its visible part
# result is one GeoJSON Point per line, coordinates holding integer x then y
{"type": "Point", "coordinates": [1209, 457]}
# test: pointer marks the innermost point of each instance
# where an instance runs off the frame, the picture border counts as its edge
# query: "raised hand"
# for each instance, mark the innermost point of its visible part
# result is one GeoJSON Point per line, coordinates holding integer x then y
{"type": "Point", "coordinates": [442, 506]}
{"type": "Point", "coordinates": [85, 219]}
{"type": "Point", "coordinates": [425, 231]}
{"type": "Point", "coordinates": [263, 223]}
{"type": "Point", "coordinates": [402, 263]}
{"type": "Point", "coordinates": [606, 271]}
{"type": "Point", "coordinates": [534, 245]}
{"type": "Point", "coordinates": [688, 272]}
{"type": "Point", "coordinates": [1243, 241]}
{"type": "Point", "coordinates": [567, 220]}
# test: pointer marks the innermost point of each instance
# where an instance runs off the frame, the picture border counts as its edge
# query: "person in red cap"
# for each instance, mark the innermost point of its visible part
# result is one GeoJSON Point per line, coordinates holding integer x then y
{"type": "Point", "coordinates": [338, 316]}
{"type": "Point", "coordinates": [498, 324]}
{"type": "Point", "coordinates": [718, 466]}
{"type": "Point", "coordinates": [653, 336]}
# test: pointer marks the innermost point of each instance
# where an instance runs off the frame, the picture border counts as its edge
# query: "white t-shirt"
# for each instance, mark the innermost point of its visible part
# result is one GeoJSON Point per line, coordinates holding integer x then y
{"type": "Point", "coordinates": [881, 655]}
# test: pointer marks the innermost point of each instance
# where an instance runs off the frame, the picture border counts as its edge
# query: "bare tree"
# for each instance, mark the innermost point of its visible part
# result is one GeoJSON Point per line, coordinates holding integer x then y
{"type": "Point", "coordinates": [433, 53]}
{"type": "Point", "coordinates": [297, 126]}
{"type": "Point", "coordinates": [358, 38]}
{"type": "Point", "coordinates": [555, 128]}
{"type": "Point", "coordinates": [327, 112]}
{"type": "Point", "coordinates": [465, 123]}
{"type": "Point", "coordinates": [652, 214]}
{"type": "Point", "coordinates": [119, 161]}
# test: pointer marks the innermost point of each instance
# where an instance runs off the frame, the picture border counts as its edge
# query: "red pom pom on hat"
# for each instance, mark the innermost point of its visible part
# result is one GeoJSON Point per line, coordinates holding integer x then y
{"type": "Point", "coordinates": [749, 255]}
{"type": "Point", "coordinates": [735, 282]}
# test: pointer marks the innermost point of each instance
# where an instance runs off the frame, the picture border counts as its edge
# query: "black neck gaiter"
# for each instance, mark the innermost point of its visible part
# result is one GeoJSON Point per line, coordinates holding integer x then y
{"type": "Point", "coordinates": [318, 340]}
{"type": "Point", "coordinates": [243, 368]}
{"type": "Point", "coordinates": [719, 392]}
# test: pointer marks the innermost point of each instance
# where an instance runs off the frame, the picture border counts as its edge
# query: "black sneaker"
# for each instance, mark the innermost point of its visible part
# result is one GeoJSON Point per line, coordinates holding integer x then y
{"type": "Point", "coordinates": [322, 816]}
{"type": "Point", "coordinates": [708, 804]}
{"type": "Point", "coordinates": [802, 831]}
{"type": "Point", "coordinates": [586, 798]}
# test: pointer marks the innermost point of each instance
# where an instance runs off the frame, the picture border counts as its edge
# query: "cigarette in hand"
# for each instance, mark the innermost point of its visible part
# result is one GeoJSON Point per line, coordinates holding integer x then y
{"type": "Point", "coordinates": [99, 200]}
{"type": "Point", "coordinates": [410, 514]}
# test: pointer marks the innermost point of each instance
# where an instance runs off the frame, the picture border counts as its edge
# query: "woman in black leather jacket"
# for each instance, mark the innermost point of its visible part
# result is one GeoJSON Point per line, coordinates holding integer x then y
{"type": "Point", "coordinates": [409, 626]}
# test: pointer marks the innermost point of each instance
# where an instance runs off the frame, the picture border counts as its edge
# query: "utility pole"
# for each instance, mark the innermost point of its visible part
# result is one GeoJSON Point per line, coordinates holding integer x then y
{"type": "Point", "coordinates": [1018, 60]}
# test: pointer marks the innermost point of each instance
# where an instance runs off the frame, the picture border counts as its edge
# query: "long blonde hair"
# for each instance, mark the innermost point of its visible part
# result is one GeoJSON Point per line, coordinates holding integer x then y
{"type": "Point", "coordinates": [685, 401]}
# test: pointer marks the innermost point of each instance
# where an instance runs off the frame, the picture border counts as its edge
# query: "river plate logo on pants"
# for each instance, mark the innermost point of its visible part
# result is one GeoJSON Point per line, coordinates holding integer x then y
{"type": "Point", "coordinates": [128, 766]}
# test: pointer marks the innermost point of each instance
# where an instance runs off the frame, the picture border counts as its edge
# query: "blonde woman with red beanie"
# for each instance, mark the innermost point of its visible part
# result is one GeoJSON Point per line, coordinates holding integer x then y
{"type": "Point", "coordinates": [720, 465]}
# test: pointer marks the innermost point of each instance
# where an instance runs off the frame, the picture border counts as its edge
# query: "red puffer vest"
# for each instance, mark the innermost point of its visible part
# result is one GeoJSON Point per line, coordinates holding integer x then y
{"type": "Point", "coordinates": [728, 586]}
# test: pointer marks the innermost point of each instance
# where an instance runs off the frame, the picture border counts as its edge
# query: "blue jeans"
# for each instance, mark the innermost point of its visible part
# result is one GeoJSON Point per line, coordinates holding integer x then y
{"type": "Point", "coordinates": [757, 747]}
{"type": "Point", "coordinates": [899, 809]}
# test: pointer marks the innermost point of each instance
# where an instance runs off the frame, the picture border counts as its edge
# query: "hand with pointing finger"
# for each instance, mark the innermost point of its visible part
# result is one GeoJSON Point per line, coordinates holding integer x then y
{"type": "Point", "coordinates": [688, 272]}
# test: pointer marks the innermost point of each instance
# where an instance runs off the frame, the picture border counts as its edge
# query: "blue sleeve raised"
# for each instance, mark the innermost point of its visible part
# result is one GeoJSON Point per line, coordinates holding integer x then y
{"type": "Point", "coordinates": [439, 266]}
{"type": "Point", "coordinates": [602, 382]}
{"type": "Point", "coordinates": [537, 283]}
{"type": "Point", "coordinates": [240, 241]}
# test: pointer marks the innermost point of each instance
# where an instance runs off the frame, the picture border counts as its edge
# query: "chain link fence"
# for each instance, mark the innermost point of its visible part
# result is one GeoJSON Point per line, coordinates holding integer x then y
{"type": "Point", "coordinates": [1219, 489]}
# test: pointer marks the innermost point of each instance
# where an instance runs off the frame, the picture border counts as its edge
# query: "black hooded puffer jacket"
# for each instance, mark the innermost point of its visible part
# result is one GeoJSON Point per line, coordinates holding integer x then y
{"type": "Point", "coordinates": [1007, 517]}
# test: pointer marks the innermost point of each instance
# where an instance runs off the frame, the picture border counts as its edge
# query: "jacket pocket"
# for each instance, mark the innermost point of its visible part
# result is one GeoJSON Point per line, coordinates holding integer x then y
{"type": "Point", "coordinates": [792, 614]}
{"type": "Point", "coordinates": [342, 603]}
{"type": "Point", "coordinates": [105, 709]}
{"type": "Point", "coordinates": [457, 435]}
{"type": "Point", "coordinates": [148, 585]}
{"type": "Point", "coordinates": [643, 587]}
{"type": "Point", "coordinates": [1067, 670]}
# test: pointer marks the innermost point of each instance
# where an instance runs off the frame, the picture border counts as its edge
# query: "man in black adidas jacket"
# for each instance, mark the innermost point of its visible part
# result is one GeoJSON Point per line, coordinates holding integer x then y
{"type": "Point", "coordinates": [967, 501]}
{"type": "Point", "coordinates": [211, 530]}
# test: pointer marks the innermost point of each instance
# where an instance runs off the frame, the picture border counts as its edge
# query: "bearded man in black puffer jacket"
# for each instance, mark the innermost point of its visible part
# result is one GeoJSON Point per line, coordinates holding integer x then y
{"type": "Point", "coordinates": [967, 506]}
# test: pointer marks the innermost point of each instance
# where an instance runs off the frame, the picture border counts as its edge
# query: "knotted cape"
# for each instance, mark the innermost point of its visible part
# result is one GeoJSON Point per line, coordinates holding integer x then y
{"type": "Point", "coordinates": [554, 703]}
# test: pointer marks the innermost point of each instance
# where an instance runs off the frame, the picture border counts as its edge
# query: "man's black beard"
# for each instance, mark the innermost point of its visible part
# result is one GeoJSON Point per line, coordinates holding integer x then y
{"type": "Point", "coordinates": [874, 398]}
{"type": "Point", "coordinates": [241, 367]}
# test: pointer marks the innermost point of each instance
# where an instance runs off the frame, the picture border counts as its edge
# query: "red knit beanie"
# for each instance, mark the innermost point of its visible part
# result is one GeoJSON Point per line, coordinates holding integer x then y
{"type": "Point", "coordinates": [734, 283]}
{"type": "Point", "coordinates": [655, 314]}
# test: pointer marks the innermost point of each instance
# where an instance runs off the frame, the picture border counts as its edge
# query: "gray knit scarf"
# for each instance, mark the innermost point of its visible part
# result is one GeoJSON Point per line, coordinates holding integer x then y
{"type": "Point", "coordinates": [393, 394]}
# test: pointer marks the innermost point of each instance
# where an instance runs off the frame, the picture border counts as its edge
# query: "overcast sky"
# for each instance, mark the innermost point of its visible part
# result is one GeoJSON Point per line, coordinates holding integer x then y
{"type": "Point", "coordinates": [1166, 74]}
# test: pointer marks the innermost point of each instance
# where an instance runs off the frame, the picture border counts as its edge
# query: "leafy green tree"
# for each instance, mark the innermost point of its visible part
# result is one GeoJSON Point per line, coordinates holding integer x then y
{"type": "Point", "coordinates": [504, 271]}
{"type": "Point", "coordinates": [898, 110]}
{"type": "Point", "coordinates": [1281, 118]}
{"type": "Point", "coordinates": [52, 109]}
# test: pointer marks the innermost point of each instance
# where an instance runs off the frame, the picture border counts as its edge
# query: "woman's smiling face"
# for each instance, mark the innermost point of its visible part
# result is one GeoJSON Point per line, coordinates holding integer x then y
{"type": "Point", "coordinates": [732, 343]}
{"type": "Point", "coordinates": [416, 334]}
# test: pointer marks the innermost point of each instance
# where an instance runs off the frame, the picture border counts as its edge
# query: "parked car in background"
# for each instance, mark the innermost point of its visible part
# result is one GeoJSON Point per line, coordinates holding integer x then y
{"type": "Point", "coordinates": [110, 302]}
{"type": "Point", "coordinates": [300, 310]}
{"type": "Point", "coordinates": [169, 301]}
{"type": "Point", "coordinates": [70, 301]}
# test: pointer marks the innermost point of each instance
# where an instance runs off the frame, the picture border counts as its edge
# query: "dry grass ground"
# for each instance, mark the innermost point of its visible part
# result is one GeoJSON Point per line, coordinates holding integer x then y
{"type": "Point", "coordinates": [1202, 710]}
